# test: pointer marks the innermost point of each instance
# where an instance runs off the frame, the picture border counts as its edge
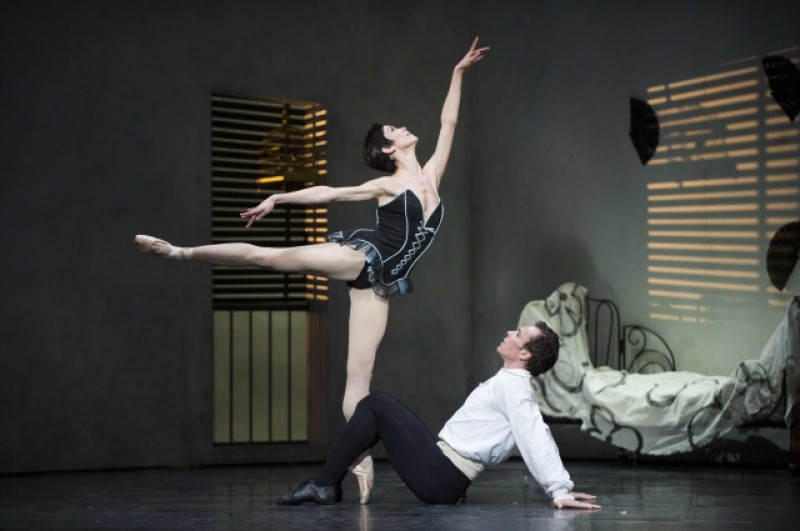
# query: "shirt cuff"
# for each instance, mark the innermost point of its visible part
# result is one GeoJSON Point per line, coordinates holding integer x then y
{"type": "Point", "coordinates": [562, 494]}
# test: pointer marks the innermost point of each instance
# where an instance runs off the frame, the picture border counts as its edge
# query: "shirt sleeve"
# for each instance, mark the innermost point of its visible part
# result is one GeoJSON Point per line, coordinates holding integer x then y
{"type": "Point", "coordinates": [532, 437]}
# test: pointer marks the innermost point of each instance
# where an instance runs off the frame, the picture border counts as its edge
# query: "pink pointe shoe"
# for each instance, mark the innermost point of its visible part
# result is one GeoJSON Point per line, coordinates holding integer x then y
{"type": "Point", "coordinates": [364, 471]}
{"type": "Point", "coordinates": [160, 248]}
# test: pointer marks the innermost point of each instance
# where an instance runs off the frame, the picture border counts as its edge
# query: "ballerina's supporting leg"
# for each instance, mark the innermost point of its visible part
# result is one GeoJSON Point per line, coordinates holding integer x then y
{"type": "Point", "coordinates": [368, 317]}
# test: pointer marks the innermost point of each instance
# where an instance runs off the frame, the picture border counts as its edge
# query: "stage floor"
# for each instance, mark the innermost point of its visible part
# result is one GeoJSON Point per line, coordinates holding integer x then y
{"type": "Point", "coordinates": [504, 497]}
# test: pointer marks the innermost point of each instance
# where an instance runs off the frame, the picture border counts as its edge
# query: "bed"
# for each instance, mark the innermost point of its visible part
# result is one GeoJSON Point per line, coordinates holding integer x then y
{"type": "Point", "coordinates": [622, 385]}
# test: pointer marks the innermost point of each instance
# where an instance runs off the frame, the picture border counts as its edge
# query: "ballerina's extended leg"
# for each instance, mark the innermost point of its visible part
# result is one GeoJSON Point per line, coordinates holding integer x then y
{"type": "Point", "coordinates": [162, 249]}
{"type": "Point", "coordinates": [327, 259]}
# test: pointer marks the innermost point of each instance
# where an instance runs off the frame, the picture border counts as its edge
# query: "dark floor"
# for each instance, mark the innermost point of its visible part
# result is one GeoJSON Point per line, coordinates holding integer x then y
{"type": "Point", "coordinates": [505, 497]}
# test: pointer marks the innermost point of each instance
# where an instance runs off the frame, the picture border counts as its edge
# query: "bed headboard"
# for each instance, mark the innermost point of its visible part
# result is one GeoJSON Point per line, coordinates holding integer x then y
{"type": "Point", "coordinates": [634, 348]}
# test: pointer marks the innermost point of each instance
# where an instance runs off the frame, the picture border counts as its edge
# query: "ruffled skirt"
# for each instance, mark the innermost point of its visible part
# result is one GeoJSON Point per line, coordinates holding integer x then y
{"type": "Point", "coordinates": [375, 268]}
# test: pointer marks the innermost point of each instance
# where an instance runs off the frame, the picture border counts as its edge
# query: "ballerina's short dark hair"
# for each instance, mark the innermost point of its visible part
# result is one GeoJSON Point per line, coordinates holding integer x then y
{"type": "Point", "coordinates": [373, 154]}
{"type": "Point", "coordinates": [543, 349]}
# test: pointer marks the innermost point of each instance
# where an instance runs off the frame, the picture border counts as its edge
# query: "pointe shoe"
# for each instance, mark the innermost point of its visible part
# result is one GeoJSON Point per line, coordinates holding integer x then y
{"type": "Point", "coordinates": [160, 248]}
{"type": "Point", "coordinates": [364, 471]}
{"type": "Point", "coordinates": [308, 491]}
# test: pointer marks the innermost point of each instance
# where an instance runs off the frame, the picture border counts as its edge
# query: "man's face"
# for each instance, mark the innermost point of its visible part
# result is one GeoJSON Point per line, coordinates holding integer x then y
{"type": "Point", "coordinates": [513, 345]}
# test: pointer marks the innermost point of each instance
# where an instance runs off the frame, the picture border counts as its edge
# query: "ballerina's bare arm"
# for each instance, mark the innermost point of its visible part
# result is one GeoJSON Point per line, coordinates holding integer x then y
{"type": "Point", "coordinates": [317, 195]}
{"type": "Point", "coordinates": [438, 161]}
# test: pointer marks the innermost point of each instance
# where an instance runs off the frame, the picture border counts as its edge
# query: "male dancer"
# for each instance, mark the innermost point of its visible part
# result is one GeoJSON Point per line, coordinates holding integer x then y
{"type": "Point", "coordinates": [499, 414]}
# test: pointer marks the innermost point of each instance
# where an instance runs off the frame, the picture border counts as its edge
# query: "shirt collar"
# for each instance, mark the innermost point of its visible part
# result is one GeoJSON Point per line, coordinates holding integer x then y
{"type": "Point", "coordinates": [518, 372]}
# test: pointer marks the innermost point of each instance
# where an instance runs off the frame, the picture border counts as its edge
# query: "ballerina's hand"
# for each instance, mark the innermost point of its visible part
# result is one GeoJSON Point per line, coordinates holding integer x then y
{"type": "Point", "coordinates": [473, 56]}
{"type": "Point", "coordinates": [258, 212]}
{"type": "Point", "coordinates": [576, 504]}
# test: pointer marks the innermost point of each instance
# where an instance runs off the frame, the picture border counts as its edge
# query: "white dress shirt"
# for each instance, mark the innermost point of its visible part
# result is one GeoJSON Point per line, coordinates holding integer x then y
{"type": "Point", "coordinates": [500, 412]}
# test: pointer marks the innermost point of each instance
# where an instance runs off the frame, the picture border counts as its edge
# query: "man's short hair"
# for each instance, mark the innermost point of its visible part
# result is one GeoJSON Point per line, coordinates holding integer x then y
{"type": "Point", "coordinates": [543, 349]}
{"type": "Point", "coordinates": [373, 153]}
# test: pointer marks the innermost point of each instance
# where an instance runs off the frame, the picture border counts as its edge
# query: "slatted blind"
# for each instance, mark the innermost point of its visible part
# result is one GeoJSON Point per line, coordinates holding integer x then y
{"type": "Point", "coordinates": [266, 325]}
{"type": "Point", "coordinates": [707, 236]}
{"type": "Point", "coordinates": [262, 146]}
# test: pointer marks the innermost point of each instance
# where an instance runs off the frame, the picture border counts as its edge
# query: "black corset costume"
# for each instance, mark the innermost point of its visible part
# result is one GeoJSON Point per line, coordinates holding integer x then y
{"type": "Point", "coordinates": [401, 236]}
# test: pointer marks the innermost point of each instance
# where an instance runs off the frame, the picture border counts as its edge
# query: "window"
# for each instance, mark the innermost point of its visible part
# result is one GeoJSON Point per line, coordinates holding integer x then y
{"type": "Point", "coordinates": [266, 324]}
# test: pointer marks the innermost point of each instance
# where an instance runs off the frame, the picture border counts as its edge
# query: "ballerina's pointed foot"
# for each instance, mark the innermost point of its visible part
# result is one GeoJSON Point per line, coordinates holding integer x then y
{"type": "Point", "coordinates": [364, 471]}
{"type": "Point", "coordinates": [160, 248]}
{"type": "Point", "coordinates": [308, 491]}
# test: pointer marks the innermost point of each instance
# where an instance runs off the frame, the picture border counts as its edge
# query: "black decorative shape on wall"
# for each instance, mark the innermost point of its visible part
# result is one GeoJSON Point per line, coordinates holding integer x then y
{"type": "Point", "coordinates": [644, 129]}
{"type": "Point", "coordinates": [784, 83]}
{"type": "Point", "coordinates": [782, 253]}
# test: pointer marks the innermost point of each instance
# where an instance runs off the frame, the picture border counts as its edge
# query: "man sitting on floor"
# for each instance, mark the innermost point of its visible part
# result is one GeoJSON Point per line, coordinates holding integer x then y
{"type": "Point", "coordinates": [499, 414]}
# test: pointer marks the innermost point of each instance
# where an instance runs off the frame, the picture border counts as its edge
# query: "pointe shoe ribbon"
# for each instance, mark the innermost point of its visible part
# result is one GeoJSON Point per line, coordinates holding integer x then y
{"type": "Point", "coordinates": [364, 471]}
{"type": "Point", "coordinates": [160, 248]}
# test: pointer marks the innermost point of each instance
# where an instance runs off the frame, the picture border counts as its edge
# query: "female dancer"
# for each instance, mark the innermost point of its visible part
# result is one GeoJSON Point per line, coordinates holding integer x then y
{"type": "Point", "coordinates": [372, 261]}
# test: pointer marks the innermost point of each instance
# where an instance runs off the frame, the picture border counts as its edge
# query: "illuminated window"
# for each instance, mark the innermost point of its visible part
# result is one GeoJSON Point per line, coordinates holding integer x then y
{"type": "Point", "coordinates": [266, 324]}
{"type": "Point", "coordinates": [707, 236]}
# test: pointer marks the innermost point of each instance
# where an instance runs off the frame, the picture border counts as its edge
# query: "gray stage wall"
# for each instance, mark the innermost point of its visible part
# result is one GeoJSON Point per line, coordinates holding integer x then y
{"type": "Point", "coordinates": [106, 354]}
{"type": "Point", "coordinates": [558, 191]}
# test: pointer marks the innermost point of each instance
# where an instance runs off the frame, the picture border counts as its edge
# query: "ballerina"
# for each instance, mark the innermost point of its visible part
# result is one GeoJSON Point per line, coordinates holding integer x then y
{"type": "Point", "coordinates": [376, 263]}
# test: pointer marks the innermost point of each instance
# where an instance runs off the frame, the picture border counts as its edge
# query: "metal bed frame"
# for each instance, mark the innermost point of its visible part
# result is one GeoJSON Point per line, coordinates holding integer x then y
{"type": "Point", "coordinates": [638, 349]}
{"type": "Point", "coordinates": [633, 348]}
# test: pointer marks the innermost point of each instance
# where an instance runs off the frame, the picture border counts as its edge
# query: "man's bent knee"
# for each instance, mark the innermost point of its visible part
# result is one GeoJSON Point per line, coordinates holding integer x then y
{"type": "Point", "coordinates": [378, 398]}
